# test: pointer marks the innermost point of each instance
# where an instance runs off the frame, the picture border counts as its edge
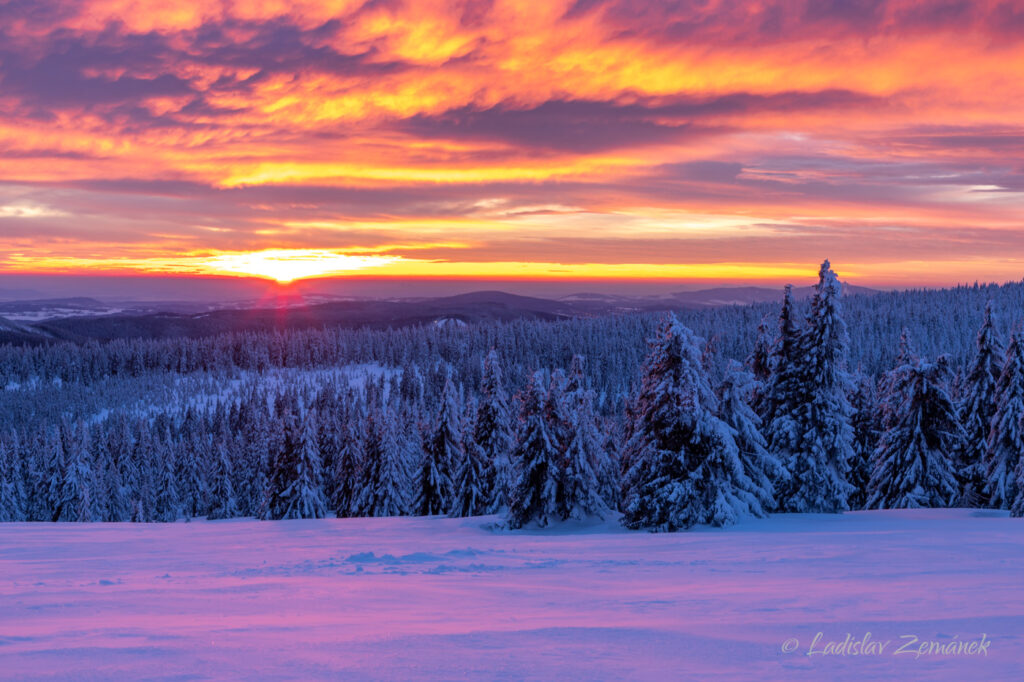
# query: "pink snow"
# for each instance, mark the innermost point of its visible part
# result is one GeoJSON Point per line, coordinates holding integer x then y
{"type": "Point", "coordinates": [429, 598]}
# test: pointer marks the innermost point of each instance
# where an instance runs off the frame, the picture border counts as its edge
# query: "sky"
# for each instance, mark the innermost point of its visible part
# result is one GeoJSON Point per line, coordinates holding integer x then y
{"type": "Point", "coordinates": [691, 141]}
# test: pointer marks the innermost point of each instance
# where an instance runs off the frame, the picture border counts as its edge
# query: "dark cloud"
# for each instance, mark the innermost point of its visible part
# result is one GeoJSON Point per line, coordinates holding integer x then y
{"type": "Point", "coordinates": [566, 126]}
{"type": "Point", "coordinates": [115, 70]}
{"type": "Point", "coordinates": [46, 153]}
{"type": "Point", "coordinates": [593, 126]}
{"type": "Point", "coordinates": [473, 13]}
{"type": "Point", "coordinates": [986, 140]}
{"type": "Point", "coordinates": [860, 14]}
{"type": "Point", "coordinates": [779, 21]}
{"type": "Point", "coordinates": [278, 46]}
{"type": "Point", "coordinates": [60, 79]}
{"type": "Point", "coordinates": [582, 7]}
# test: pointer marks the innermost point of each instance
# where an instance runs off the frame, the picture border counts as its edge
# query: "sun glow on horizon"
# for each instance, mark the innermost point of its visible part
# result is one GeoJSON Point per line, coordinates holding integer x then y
{"type": "Point", "coordinates": [288, 265]}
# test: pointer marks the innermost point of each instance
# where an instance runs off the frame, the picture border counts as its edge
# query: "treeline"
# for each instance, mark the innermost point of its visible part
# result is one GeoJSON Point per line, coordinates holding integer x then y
{"type": "Point", "coordinates": [937, 322]}
{"type": "Point", "coordinates": [379, 450]}
{"type": "Point", "coordinates": [673, 434]}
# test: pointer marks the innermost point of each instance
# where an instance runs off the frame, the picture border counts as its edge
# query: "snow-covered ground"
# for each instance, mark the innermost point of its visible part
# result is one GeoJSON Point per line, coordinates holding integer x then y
{"type": "Point", "coordinates": [451, 599]}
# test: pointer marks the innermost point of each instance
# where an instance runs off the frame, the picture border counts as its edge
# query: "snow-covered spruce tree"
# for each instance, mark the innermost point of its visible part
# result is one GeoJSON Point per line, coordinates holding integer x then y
{"type": "Point", "coordinates": [492, 434]}
{"type": "Point", "coordinates": [555, 410]}
{"type": "Point", "coordinates": [224, 504]}
{"type": "Point", "coordinates": [256, 455]}
{"type": "Point", "coordinates": [12, 490]}
{"type": "Point", "coordinates": [760, 364]}
{"type": "Point", "coordinates": [329, 436]}
{"type": "Point", "coordinates": [579, 493]}
{"type": "Point", "coordinates": [470, 496]}
{"type": "Point", "coordinates": [41, 453]}
{"type": "Point", "coordinates": [75, 501]}
{"type": "Point", "coordinates": [54, 462]}
{"type": "Point", "coordinates": [977, 409]}
{"type": "Point", "coordinates": [817, 431]}
{"type": "Point", "coordinates": [610, 479]}
{"type": "Point", "coordinates": [912, 465]}
{"type": "Point", "coordinates": [785, 393]}
{"type": "Point", "coordinates": [383, 490]}
{"type": "Point", "coordinates": [866, 434]}
{"type": "Point", "coordinates": [760, 359]}
{"type": "Point", "coordinates": [1006, 435]}
{"type": "Point", "coordinates": [119, 444]}
{"type": "Point", "coordinates": [760, 466]}
{"type": "Point", "coordinates": [195, 449]}
{"type": "Point", "coordinates": [411, 385]}
{"type": "Point", "coordinates": [684, 466]}
{"type": "Point", "coordinates": [166, 504]}
{"type": "Point", "coordinates": [295, 491]}
{"type": "Point", "coordinates": [535, 493]}
{"type": "Point", "coordinates": [348, 464]}
{"type": "Point", "coordinates": [148, 455]}
{"type": "Point", "coordinates": [1017, 509]}
{"type": "Point", "coordinates": [108, 487]}
{"type": "Point", "coordinates": [889, 398]}
{"type": "Point", "coordinates": [443, 450]}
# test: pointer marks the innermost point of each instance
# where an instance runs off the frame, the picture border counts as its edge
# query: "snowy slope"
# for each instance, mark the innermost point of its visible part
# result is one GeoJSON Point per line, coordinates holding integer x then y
{"type": "Point", "coordinates": [437, 598]}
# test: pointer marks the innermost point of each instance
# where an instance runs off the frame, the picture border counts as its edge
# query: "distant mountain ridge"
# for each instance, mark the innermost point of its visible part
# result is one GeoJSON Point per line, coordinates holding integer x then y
{"type": "Point", "coordinates": [82, 319]}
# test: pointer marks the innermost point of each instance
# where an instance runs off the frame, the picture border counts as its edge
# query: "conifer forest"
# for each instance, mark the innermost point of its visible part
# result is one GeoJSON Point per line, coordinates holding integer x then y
{"type": "Point", "coordinates": [665, 421]}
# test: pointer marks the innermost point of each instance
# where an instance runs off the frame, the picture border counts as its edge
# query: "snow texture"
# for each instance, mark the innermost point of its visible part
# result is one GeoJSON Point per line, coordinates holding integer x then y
{"type": "Point", "coordinates": [438, 598]}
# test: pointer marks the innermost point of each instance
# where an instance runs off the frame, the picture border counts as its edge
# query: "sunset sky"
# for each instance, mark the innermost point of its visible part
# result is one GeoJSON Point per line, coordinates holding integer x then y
{"type": "Point", "coordinates": [685, 141]}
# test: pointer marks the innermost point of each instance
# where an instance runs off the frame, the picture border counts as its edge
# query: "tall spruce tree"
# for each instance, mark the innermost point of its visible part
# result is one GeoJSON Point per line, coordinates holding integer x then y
{"type": "Point", "coordinates": [329, 437]}
{"type": "Point", "coordinates": [888, 397]}
{"type": "Point", "coordinates": [866, 435]}
{"type": "Point", "coordinates": [146, 484]}
{"type": "Point", "coordinates": [814, 432]}
{"type": "Point", "coordinates": [1006, 434]}
{"type": "Point", "coordinates": [165, 505]}
{"type": "Point", "coordinates": [470, 496]}
{"type": "Point", "coordinates": [41, 453]}
{"type": "Point", "coordinates": [77, 483]}
{"type": "Point", "coordinates": [684, 466]}
{"type": "Point", "coordinates": [119, 443]}
{"type": "Point", "coordinates": [191, 482]}
{"type": "Point", "coordinates": [977, 409]}
{"type": "Point", "coordinates": [348, 463]}
{"type": "Point", "coordinates": [492, 434]}
{"type": "Point", "coordinates": [760, 466]}
{"type": "Point", "coordinates": [912, 465]}
{"type": "Point", "coordinates": [108, 485]}
{"type": "Point", "coordinates": [295, 491]}
{"type": "Point", "coordinates": [584, 456]}
{"type": "Point", "coordinates": [385, 480]}
{"type": "Point", "coordinates": [12, 489]}
{"type": "Point", "coordinates": [224, 504]}
{"type": "Point", "coordinates": [1017, 509]}
{"type": "Point", "coordinates": [535, 494]}
{"type": "Point", "coordinates": [760, 364]}
{"type": "Point", "coordinates": [785, 392]}
{"type": "Point", "coordinates": [443, 450]}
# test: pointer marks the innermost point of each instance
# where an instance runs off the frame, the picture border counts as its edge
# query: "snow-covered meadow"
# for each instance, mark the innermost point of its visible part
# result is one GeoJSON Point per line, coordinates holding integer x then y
{"type": "Point", "coordinates": [398, 598]}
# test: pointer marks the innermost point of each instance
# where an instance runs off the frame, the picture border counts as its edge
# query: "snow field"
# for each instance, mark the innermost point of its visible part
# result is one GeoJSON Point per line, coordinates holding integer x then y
{"type": "Point", "coordinates": [437, 598]}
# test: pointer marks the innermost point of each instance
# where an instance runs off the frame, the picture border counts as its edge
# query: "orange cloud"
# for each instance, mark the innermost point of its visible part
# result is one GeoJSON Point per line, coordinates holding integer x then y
{"type": "Point", "coordinates": [150, 132]}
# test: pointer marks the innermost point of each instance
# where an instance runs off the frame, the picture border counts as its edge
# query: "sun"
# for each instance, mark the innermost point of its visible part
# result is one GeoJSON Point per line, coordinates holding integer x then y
{"type": "Point", "coordinates": [287, 265]}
